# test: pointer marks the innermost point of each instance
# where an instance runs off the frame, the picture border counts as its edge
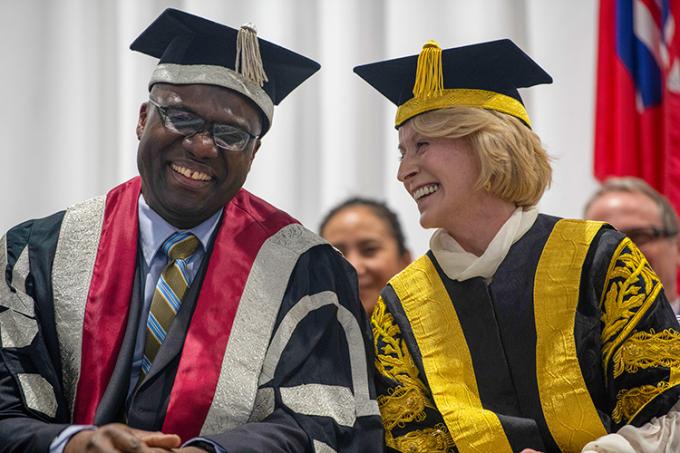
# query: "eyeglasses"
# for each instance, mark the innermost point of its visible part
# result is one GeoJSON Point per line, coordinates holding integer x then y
{"type": "Point", "coordinates": [641, 236]}
{"type": "Point", "coordinates": [186, 123]}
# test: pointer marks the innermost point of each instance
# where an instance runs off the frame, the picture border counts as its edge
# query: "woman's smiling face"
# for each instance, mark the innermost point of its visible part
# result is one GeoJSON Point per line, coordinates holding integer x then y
{"type": "Point", "coordinates": [440, 174]}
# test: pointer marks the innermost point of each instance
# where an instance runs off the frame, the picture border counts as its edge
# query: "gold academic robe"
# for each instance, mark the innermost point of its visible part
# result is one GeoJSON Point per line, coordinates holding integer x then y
{"type": "Point", "coordinates": [573, 338]}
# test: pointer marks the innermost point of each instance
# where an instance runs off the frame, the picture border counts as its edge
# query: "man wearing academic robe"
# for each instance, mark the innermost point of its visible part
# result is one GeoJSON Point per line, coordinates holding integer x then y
{"type": "Point", "coordinates": [179, 310]}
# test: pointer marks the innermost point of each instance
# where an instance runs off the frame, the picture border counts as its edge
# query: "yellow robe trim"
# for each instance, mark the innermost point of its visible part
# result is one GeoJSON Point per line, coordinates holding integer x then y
{"type": "Point", "coordinates": [405, 403]}
{"type": "Point", "coordinates": [624, 300]}
{"type": "Point", "coordinates": [567, 406]}
{"type": "Point", "coordinates": [464, 97]}
{"type": "Point", "coordinates": [446, 359]}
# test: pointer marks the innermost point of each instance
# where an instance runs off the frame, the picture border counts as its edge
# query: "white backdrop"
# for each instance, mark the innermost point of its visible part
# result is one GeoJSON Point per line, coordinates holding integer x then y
{"type": "Point", "coordinates": [72, 89]}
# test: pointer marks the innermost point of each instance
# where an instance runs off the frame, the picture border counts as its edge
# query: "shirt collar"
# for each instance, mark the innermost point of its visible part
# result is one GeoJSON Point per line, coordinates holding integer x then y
{"type": "Point", "coordinates": [154, 230]}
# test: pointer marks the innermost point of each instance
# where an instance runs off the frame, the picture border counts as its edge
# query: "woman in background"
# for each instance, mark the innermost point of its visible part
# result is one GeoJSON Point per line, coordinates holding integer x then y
{"type": "Point", "coordinates": [369, 235]}
{"type": "Point", "coordinates": [517, 330]}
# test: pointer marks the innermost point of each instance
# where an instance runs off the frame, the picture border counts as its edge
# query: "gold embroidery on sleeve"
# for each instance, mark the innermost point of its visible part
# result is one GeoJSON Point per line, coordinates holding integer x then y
{"type": "Point", "coordinates": [406, 402]}
{"type": "Point", "coordinates": [402, 405]}
{"type": "Point", "coordinates": [431, 440]}
{"type": "Point", "coordinates": [648, 350]}
{"type": "Point", "coordinates": [630, 288]}
{"type": "Point", "coordinates": [629, 402]}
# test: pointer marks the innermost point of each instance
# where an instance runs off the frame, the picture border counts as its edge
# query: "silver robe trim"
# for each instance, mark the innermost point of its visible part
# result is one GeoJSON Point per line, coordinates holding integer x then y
{"type": "Point", "coordinates": [38, 393]}
{"type": "Point", "coordinates": [265, 403]}
{"type": "Point", "coordinates": [321, 447]}
{"type": "Point", "coordinates": [16, 329]}
{"type": "Point", "coordinates": [14, 296]}
{"type": "Point", "coordinates": [333, 401]}
{"type": "Point", "coordinates": [214, 75]}
{"type": "Point", "coordinates": [18, 326]}
{"type": "Point", "coordinates": [20, 272]}
{"type": "Point", "coordinates": [363, 403]}
{"type": "Point", "coordinates": [237, 386]}
{"type": "Point", "coordinates": [71, 276]}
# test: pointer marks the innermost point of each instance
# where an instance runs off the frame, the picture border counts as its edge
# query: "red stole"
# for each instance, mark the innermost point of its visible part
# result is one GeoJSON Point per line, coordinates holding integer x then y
{"type": "Point", "coordinates": [248, 222]}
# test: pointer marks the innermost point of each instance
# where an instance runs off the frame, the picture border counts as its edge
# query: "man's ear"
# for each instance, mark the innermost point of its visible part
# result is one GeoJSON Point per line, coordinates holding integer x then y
{"type": "Point", "coordinates": [141, 121]}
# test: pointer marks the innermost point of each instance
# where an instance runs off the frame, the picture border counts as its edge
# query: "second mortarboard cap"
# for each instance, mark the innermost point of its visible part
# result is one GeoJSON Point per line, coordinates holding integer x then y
{"type": "Point", "coordinates": [194, 50]}
{"type": "Point", "coordinates": [485, 75]}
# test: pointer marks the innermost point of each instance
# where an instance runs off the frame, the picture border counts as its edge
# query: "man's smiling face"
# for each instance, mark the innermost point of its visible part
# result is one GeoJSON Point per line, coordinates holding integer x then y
{"type": "Point", "coordinates": [188, 179]}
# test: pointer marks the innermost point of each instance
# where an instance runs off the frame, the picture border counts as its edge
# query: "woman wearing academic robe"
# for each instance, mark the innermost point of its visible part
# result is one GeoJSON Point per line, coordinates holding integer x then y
{"type": "Point", "coordinates": [516, 330]}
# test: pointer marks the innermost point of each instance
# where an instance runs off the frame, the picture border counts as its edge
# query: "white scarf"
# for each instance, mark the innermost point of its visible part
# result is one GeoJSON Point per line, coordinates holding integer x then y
{"type": "Point", "coordinates": [461, 265]}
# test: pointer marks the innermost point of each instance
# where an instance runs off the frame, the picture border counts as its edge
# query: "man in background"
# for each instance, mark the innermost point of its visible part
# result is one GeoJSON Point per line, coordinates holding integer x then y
{"type": "Point", "coordinates": [633, 207]}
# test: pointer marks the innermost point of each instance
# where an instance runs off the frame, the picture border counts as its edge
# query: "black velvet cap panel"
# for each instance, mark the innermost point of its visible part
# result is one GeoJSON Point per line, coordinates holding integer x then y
{"type": "Point", "coordinates": [497, 66]}
{"type": "Point", "coordinates": [185, 39]}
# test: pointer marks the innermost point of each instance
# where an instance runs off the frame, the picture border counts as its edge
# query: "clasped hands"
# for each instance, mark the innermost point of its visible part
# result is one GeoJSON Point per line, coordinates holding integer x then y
{"type": "Point", "coordinates": [117, 437]}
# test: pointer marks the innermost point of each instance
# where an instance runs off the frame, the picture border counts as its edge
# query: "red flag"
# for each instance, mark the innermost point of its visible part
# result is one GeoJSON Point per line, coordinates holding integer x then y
{"type": "Point", "coordinates": [672, 112]}
{"type": "Point", "coordinates": [638, 93]}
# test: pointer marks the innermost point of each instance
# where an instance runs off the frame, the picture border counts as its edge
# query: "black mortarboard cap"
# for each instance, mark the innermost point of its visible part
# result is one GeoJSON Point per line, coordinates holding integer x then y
{"type": "Point", "coordinates": [485, 75]}
{"type": "Point", "coordinates": [192, 50]}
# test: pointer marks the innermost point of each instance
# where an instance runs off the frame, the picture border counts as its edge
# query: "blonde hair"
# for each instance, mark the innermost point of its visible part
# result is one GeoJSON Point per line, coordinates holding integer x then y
{"type": "Point", "coordinates": [514, 166]}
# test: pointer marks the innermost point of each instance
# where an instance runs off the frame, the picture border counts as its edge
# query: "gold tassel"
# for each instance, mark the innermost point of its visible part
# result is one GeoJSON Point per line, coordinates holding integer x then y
{"type": "Point", "coordinates": [248, 58]}
{"type": "Point", "coordinates": [429, 75]}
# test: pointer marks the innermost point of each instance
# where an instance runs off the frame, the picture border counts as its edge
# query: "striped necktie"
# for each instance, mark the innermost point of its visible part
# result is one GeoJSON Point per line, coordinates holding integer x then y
{"type": "Point", "coordinates": [167, 297]}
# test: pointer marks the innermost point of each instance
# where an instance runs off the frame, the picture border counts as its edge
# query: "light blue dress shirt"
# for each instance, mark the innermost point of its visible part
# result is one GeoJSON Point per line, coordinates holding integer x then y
{"type": "Point", "coordinates": [154, 230]}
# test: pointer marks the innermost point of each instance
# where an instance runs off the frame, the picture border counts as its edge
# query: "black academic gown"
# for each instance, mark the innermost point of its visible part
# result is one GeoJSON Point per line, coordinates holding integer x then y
{"type": "Point", "coordinates": [315, 353]}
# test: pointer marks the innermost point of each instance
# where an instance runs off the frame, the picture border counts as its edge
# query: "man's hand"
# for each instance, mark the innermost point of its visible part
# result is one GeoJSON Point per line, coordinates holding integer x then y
{"type": "Point", "coordinates": [119, 437]}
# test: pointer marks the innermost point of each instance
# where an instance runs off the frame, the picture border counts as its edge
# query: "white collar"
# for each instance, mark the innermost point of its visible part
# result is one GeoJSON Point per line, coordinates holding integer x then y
{"type": "Point", "coordinates": [461, 265]}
